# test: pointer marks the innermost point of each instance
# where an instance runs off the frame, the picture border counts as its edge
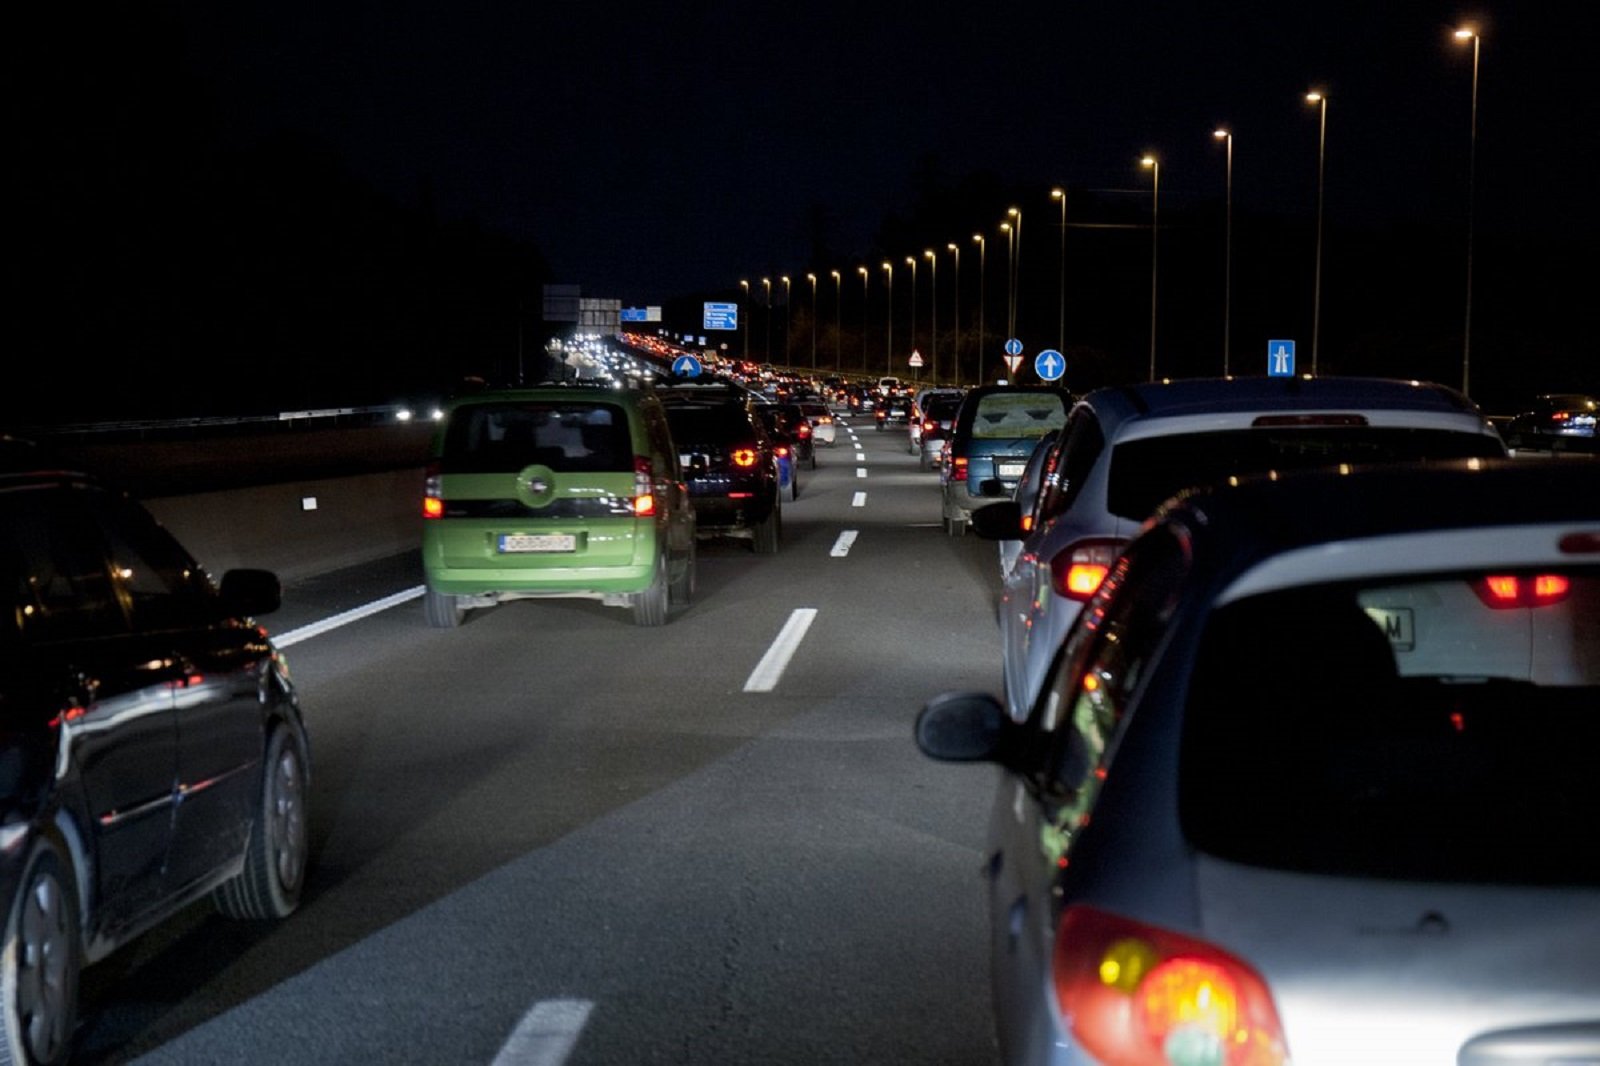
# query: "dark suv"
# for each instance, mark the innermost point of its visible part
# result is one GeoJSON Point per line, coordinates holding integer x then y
{"type": "Point", "coordinates": [153, 747]}
{"type": "Point", "coordinates": [729, 461]}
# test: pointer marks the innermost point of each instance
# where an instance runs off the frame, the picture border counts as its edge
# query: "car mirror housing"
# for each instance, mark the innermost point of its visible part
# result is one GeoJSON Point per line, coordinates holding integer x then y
{"type": "Point", "coordinates": [962, 727]}
{"type": "Point", "coordinates": [251, 592]}
{"type": "Point", "coordinates": [998, 521]}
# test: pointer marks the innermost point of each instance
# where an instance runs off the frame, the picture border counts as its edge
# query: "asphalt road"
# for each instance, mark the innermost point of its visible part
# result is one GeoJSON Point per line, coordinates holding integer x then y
{"type": "Point", "coordinates": [549, 836]}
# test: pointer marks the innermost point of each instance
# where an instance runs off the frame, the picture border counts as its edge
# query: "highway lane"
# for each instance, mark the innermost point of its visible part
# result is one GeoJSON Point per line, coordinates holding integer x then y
{"type": "Point", "coordinates": [551, 819]}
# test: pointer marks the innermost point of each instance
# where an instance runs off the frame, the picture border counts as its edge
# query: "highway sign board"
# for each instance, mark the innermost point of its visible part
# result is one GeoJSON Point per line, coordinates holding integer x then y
{"type": "Point", "coordinates": [1280, 359]}
{"type": "Point", "coordinates": [721, 316]}
{"type": "Point", "coordinates": [1049, 365]}
{"type": "Point", "coordinates": [686, 366]}
{"type": "Point", "coordinates": [1013, 347]}
{"type": "Point", "coordinates": [635, 314]}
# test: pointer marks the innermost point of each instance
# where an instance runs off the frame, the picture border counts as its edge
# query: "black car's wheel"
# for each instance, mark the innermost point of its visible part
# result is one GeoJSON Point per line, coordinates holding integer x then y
{"type": "Point", "coordinates": [650, 606]}
{"type": "Point", "coordinates": [794, 482]}
{"type": "Point", "coordinates": [443, 610]}
{"type": "Point", "coordinates": [681, 592]}
{"type": "Point", "coordinates": [39, 963]}
{"type": "Point", "coordinates": [268, 887]}
{"type": "Point", "coordinates": [923, 461]}
{"type": "Point", "coordinates": [765, 541]}
{"type": "Point", "coordinates": [813, 457]}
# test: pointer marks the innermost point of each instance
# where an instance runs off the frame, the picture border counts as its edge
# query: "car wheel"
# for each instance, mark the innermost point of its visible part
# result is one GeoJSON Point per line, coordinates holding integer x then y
{"type": "Point", "coordinates": [794, 483]}
{"type": "Point", "coordinates": [681, 592]}
{"type": "Point", "coordinates": [923, 461]}
{"type": "Point", "coordinates": [813, 457]}
{"type": "Point", "coordinates": [39, 964]}
{"type": "Point", "coordinates": [650, 606]}
{"type": "Point", "coordinates": [443, 610]}
{"type": "Point", "coordinates": [765, 541]}
{"type": "Point", "coordinates": [268, 887]}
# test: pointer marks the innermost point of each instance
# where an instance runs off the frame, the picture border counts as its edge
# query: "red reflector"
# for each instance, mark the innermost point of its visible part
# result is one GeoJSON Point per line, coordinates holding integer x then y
{"type": "Point", "coordinates": [432, 507]}
{"type": "Point", "coordinates": [1268, 421]}
{"type": "Point", "coordinates": [744, 457]}
{"type": "Point", "coordinates": [740, 495]}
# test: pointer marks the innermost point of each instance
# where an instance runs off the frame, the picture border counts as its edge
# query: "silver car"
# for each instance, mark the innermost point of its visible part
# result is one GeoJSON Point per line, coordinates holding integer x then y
{"type": "Point", "coordinates": [1311, 781]}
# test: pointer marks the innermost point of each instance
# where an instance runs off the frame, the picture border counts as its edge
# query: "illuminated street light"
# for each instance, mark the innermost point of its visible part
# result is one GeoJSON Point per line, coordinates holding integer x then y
{"type": "Point", "coordinates": [933, 313]}
{"type": "Point", "coordinates": [1223, 134]}
{"type": "Point", "coordinates": [838, 338]}
{"type": "Point", "coordinates": [888, 346]}
{"type": "Point", "coordinates": [912, 263]}
{"type": "Point", "coordinates": [1061, 321]}
{"type": "Point", "coordinates": [1016, 270]}
{"type": "Point", "coordinates": [766, 344]}
{"type": "Point", "coordinates": [1153, 164]}
{"type": "Point", "coordinates": [955, 352]}
{"type": "Point", "coordinates": [1321, 100]}
{"type": "Point", "coordinates": [865, 276]}
{"type": "Point", "coordinates": [1011, 245]}
{"type": "Point", "coordinates": [1464, 34]}
{"type": "Point", "coordinates": [745, 285]}
{"type": "Point", "coordinates": [813, 279]}
{"type": "Point", "coordinates": [788, 322]}
{"type": "Point", "coordinates": [983, 284]}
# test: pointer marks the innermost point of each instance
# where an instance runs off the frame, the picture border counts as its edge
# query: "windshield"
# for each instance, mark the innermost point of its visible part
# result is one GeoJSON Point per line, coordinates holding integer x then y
{"type": "Point", "coordinates": [1145, 472]}
{"type": "Point", "coordinates": [1426, 729]}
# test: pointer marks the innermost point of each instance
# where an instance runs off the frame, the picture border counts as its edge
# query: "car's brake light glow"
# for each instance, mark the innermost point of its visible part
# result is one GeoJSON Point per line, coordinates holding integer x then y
{"type": "Point", "coordinates": [1139, 995]}
{"type": "Point", "coordinates": [1027, 523]}
{"type": "Point", "coordinates": [432, 493]}
{"type": "Point", "coordinates": [744, 457]}
{"type": "Point", "coordinates": [644, 499]}
{"type": "Point", "coordinates": [1561, 416]}
{"type": "Point", "coordinates": [930, 427]}
{"type": "Point", "coordinates": [958, 468]}
{"type": "Point", "coordinates": [1512, 590]}
{"type": "Point", "coordinates": [781, 451]}
{"type": "Point", "coordinates": [1076, 572]}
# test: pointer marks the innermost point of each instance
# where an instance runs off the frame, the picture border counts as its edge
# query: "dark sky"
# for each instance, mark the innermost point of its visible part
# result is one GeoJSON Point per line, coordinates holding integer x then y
{"type": "Point", "coordinates": [654, 149]}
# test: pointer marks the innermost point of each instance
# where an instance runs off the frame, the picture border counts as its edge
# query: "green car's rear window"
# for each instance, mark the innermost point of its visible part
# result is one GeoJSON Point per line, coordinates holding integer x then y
{"type": "Point", "coordinates": [566, 435]}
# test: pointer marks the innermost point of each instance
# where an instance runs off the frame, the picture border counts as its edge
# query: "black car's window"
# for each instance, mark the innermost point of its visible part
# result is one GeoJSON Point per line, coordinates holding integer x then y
{"type": "Point", "coordinates": [157, 582]}
{"type": "Point", "coordinates": [942, 408]}
{"type": "Point", "coordinates": [1097, 673]}
{"type": "Point", "coordinates": [1404, 730]}
{"type": "Point", "coordinates": [565, 435]}
{"type": "Point", "coordinates": [695, 427]}
{"type": "Point", "coordinates": [56, 573]}
{"type": "Point", "coordinates": [1074, 458]}
{"type": "Point", "coordinates": [1145, 472]}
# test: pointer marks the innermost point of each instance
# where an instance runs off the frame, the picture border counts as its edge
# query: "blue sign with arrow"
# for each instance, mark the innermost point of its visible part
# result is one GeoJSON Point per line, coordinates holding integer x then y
{"type": "Point", "coordinates": [1013, 347]}
{"type": "Point", "coordinates": [720, 316]}
{"type": "Point", "coordinates": [686, 366]}
{"type": "Point", "coordinates": [1050, 365]}
{"type": "Point", "coordinates": [1280, 359]}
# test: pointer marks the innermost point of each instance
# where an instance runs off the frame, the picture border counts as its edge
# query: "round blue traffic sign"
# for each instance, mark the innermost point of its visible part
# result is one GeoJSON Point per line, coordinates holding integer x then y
{"type": "Point", "coordinates": [1013, 347]}
{"type": "Point", "coordinates": [686, 366]}
{"type": "Point", "coordinates": [1050, 365]}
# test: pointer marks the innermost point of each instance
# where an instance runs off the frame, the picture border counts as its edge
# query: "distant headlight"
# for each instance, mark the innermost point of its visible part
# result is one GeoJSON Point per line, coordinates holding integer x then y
{"type": "Point", "coordinates": [403, 415]}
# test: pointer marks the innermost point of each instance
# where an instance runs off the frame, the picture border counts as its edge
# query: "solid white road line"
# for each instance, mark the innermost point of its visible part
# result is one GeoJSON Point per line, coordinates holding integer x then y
{"type": "Point", "coordinates": [841, 547]}
{"type": "Point", "coordinates": [546, 1035]}
{"type": "Point", "coordinates": [344, 618]}
{"type": "Point", "coordinates": [858, 500]}
{"type": "Point", "coordinates": [764, 678]}
{"type": "Point", "coordinates": [861, 471]}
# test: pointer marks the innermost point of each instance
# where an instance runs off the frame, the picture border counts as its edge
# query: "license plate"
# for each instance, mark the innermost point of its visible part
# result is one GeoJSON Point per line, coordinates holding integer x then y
{"type": "Point", "coordinates": [537, 542]}
{"type": "Point", "coordinates": [1398, 624]}
{"type": "Point", "coordinates": [1010, 469]}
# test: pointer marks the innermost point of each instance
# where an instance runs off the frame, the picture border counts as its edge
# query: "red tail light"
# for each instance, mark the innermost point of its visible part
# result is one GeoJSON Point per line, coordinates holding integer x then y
{"type": "Point", "coordinates": [958, 468]}
{"type": "Point", "coordinates": [432, 498]}
{"type": "Point", "coordinates": [1076, 571]}
{"type": "Point", "coordinates": [1561, 416]}
{"type": "Point", "coordinates": [781, 451]}
{"type": "Point", "coordinates": [745, 457]}
{"type": "Point", "coordinates": [1522, 590]}
{"type": "Point", "coordinates": [804, 431]}
{"type": "Point", "coordinates": [1139, 995]}
{"type": "Point", "coordinates": [930, 427]}
{"type": "Point", "coordinates": [644, 499]}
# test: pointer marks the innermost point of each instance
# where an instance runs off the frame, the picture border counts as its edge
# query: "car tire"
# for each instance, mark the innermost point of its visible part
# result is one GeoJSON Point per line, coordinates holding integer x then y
{"type": "Point", "coordinates": [650, 606]}
{"type": "Point", "coordinates": [922, 460]}
{"type": "Point", "coordinates": [794, 483]}
{"type": "Point", "coordinates": [39, 963]}
{"type": "Point", "coordinates": [443, 610]}
{"type": "Point", "coordinates": [268, 887]}
{"type": "Point", "coordinates": [767, 533]}
{"type": "Point", "coordinates": [813, 457]}
{"type": "Point", "coordinates": [681, 592]}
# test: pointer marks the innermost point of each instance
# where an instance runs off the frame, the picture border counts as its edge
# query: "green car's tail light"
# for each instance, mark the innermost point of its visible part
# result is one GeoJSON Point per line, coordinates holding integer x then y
{"type": "Point", "coordinates": [432, 493]}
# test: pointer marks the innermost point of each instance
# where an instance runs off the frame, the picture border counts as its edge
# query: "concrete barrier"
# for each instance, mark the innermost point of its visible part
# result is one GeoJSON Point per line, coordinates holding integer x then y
{"type": "Point", "coordinates": [298, 529]}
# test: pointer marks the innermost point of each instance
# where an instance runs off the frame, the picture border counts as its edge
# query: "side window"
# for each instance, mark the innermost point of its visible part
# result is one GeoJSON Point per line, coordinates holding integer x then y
{"type": "Point", "coordinates": [55, 569]}
{"type": "Point", "coordinates": [1098, 671]}
{"type": "Point", "coordinates": [1081, 445]}
{"type": "Point", "coordinates": [157, 583]}
{"type": "Point", "coordinates": [655, 427]}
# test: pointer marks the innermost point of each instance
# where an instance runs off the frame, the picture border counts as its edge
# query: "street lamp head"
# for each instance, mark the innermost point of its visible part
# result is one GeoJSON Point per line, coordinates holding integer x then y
{"type": "Point", "coordinates": [1466, 33]}
{"type": "Point", "coordinates": [953, 246]}
{"type": "Point", "coordinates": [1148, 161]}
{"type": "Point", "coordinates": [834, 274]}
{"type": "Point", "coordinates": [1005, 227]}
{"type": "Point", "coordinates": [810, 275]}
{"type": "Point", "coordinates": [745, 283]}
{"type": "Point", "coordinates": [927, 253]}
{"type": "Point", "coordinates": [862, 271]}
{"type": "Point", "coordinates": [784, 279]}
{"type": "Point", "coordinates": [911, 261]}
{"type": "Point", "coordinates": [888, 266]}
{"type": "Point", "coordinates": [1057, 194]}
{"type": "Point", "coordinates": [1222, 133]}
{"type": "Point", "coordinates": [1314, 97]}
{"type": "Point", "coordinates": [1013, 212]}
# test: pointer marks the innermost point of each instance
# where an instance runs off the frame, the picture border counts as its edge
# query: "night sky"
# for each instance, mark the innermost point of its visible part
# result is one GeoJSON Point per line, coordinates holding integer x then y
{"type": "Point", "coordinates": [649, 152]}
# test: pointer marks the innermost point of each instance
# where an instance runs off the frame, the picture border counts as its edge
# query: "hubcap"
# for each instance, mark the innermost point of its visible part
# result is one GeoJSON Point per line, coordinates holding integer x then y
{"type": "Point", "coordinates": [287, 830]}
{"type": "Point", "coordinates": [44, 951]}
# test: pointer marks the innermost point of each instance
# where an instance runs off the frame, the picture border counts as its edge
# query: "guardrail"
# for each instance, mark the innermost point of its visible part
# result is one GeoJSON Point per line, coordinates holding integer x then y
{"type": "Point", "coordinates": [147, 426]}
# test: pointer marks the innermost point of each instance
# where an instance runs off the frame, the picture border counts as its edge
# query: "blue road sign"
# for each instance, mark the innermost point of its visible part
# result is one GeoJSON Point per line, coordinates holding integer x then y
{"type": "Point", "coordinates": [1013, 347]}
{"type": "Point", "coordinates": [635, 314]}
{"type": "Point", "coordinates": [721, 316]}
{"type": "Point", "coordinates": [1049, 365]}
{"type": "Point", "coordinates": [686, 366]}
{"type": "Point", "coordinates": [1280, 359]}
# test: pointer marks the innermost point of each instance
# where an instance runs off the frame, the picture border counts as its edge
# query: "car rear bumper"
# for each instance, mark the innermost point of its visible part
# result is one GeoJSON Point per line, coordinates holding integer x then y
{"type": "Point", "coordinates": [464, 562]}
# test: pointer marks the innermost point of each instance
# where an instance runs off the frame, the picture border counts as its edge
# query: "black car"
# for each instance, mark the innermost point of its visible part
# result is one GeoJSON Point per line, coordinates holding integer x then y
{"type": "Point", "coordinates": [1556, 420]}
{"type": "Point", "coordinates": [153, 746]}
{"type": "Point", "coordinates": [789, 425]}
{"type": "Point", "coordinates": [729, 461]}
{"type": "Point", "coordinates": [893, 409]}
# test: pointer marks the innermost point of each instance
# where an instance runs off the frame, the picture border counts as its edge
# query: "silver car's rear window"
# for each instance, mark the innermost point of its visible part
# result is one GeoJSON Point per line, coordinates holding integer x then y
{"type": "Point", "coordinates": [1145, 472]}
{"type": "Point", "coordinates": [1445, 728]}
{"type": "Point", "coordinates": [567, 435]}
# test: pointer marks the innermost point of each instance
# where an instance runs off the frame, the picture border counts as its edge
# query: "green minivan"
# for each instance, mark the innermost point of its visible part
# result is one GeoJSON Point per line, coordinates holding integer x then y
{"type": "Point", "coordinates": [563, 490]}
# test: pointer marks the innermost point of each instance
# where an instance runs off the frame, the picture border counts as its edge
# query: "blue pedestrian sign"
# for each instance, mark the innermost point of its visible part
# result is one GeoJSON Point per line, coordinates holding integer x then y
{"type": "Point", "coordinates": [721, 316]}
{"type": "Point", "coordinates": [686, 366]}
{"type": "Point", "coordinates": [1280, 359]}
{"type": "Point", "coordinates": [1049, 365]}
{"type": "Point", "coordinates": [1013, 347]}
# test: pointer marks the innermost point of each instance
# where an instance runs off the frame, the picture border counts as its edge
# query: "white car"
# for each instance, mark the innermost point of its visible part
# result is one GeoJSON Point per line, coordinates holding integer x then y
{"type": "Point", "coordinates": [823, 428]}
{"type": "Point", "coordinates": [1126, 449]}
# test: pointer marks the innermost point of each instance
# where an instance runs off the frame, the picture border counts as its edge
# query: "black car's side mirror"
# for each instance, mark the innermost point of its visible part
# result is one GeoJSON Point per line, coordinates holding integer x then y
{"type": "Point", "coordinates": [998, 521]}
{"type": "Point", "coordinates": [251, 592]}
{"type": "Point", "coordinates": [962, 727]}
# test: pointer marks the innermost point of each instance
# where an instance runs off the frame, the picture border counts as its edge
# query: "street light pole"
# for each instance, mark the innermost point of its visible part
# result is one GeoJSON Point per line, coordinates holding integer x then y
{"type": "Point", "coordinates": [933, 314]}
{"type": "Point", "coordinates": [1011, 280]}
{"type": "Point", "coordinates": [813, 279]}
{"type": "Point", "coordinates": [888, 345]}
{"type": "Point", "coordinates": [788, 322]}
{"type": "Point", "coordinates": [1472, 167]}
{"type": "Point", "coordinates": [838, 337]}
{"type": "Point", "coordinates": [865, 276]}
{"type": "Point", "coordinates": [1321, 100]}
{"type": "Point", "coordinates": [1016, 269]}
{"type": "Point", "coordinates": [1061, 321]}
{"type": "Point", "coordinates": [983, 284]}
{"type": "Point", "coordinates": [745, 285]}
{"type": "Point", "coordinates": [912, 263]}
{"type": "Point", "coordinates": [1154, 165]}
{"type": "Point", "coordinates": [955, 349]}
{"type": "Point", "coordinates": [1223, 134]}
{"type": "Point", "coordinates": [766, 344]}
